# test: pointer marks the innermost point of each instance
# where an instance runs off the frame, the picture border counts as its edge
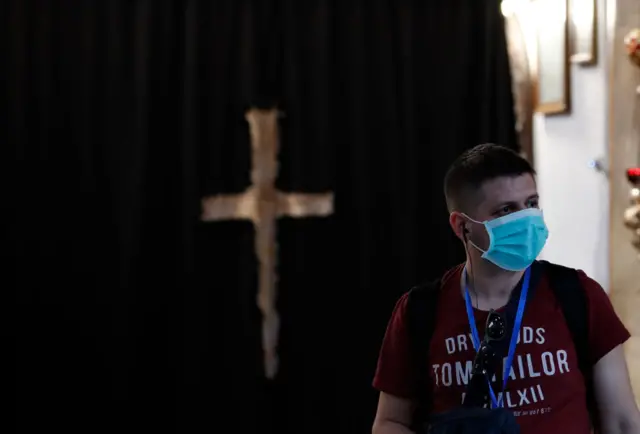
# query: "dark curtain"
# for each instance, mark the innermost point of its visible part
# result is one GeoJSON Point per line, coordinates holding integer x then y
{"type": "Point", "coordinates": [380, 97]}
{"type": "Point", "coordinates": [120, 311]}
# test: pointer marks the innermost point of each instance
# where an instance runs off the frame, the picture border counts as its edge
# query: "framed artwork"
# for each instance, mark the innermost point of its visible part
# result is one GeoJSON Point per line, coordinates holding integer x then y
{"type": "Point", "coordinates": [522, 81]}
{"type": "Point", "coordinates": [583, 31]}
{"type": "Point", "coordinates": [552, 86]}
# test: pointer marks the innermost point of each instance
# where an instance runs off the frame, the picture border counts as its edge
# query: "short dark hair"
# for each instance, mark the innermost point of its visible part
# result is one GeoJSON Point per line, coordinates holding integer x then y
{"type": "Point", "coordinates": [476, 166]}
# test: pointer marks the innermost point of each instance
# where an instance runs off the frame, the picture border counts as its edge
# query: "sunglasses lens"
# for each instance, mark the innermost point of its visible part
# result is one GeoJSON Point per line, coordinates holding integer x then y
{"type": "Point", "coordinates": [485, 358]}
{"type": "Point", "coordinates": [496, 326]}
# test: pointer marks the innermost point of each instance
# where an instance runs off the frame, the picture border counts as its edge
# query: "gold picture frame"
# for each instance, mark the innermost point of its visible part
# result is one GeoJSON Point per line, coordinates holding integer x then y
{"type": "Point", "coordinates": [552, 40]}
{"type": "Point", "coordinates": [583, 32]}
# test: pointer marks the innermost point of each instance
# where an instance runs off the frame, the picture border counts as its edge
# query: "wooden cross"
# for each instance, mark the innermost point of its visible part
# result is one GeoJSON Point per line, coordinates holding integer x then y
{"type": "Point", "coordinates": [262, 204]}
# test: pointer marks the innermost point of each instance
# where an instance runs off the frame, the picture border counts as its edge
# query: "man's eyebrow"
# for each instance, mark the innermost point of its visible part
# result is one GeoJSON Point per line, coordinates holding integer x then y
{"type": "Point", "coordinates": [513, 202]}
{"type": "Point", "coordinates": [506, 202]}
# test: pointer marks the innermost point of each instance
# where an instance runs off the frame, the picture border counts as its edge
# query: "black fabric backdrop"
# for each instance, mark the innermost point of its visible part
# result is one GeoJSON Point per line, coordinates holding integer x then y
{"type": "Point", "coordinates": [120, 311]}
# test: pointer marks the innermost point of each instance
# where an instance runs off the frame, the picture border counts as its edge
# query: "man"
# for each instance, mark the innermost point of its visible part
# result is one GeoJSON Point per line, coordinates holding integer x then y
{"type": "Point", "coordinates": [493, 203]}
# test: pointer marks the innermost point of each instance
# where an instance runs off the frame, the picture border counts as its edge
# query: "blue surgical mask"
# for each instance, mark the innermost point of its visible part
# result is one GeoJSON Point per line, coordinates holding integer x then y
{"type": "Point", "coordinates": [515, 240]}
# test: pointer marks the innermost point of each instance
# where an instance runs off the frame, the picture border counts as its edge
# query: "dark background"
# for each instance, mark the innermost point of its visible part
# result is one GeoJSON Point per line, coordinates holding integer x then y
{"type": "Point", "coordinates": [120, 311]}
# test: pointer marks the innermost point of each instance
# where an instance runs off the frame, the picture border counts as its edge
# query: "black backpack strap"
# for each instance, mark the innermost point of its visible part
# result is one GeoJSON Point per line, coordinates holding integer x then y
{"type": "Point", "coordinates": [422, 305]}
{"type": "Point", "coordinates": [572, 299]}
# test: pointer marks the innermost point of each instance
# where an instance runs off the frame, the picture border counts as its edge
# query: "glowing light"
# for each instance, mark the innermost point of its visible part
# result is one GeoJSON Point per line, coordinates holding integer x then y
{"type": "Point", "coordinates": [511, 7]}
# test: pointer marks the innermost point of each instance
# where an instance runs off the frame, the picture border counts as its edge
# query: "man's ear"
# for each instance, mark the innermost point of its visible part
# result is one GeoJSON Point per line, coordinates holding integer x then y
{"type": "Point", "coordinates": [459, 225]}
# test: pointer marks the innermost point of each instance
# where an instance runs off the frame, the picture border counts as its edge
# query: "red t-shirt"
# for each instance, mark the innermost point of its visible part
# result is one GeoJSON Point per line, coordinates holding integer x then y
{"type": "Point", "coordinates": [545, 390]}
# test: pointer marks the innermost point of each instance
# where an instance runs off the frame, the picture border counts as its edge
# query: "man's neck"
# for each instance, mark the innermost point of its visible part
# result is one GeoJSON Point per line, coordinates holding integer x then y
{"type": "Point", "coordinates": [490, 281]}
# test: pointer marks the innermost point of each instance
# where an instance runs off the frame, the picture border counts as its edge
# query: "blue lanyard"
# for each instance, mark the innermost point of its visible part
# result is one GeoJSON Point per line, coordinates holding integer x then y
{"type": "Point", "coordinates": [514, 335]}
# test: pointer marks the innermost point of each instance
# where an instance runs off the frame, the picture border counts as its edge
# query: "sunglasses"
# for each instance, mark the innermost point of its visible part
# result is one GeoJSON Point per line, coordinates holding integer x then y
{"type": "Point", "coordinates": [495, 331]}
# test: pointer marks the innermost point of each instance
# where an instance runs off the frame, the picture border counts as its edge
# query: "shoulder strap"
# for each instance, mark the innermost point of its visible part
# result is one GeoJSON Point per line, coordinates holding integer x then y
{"type": "Point", "coordinates": [567, 288]}
{"type": "Point", "coordinates": [422, 304]}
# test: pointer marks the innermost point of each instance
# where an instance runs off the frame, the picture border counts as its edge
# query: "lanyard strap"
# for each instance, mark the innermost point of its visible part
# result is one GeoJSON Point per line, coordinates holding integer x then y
{"type": "Point", "coordinates": [514, 334]}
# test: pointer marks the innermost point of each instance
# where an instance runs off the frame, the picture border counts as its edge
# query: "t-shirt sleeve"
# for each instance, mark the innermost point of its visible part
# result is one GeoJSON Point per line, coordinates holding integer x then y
{"type": "Point", "coordinates": [606, 330]}
{"type": "Point", "coordinates": [395, 371]}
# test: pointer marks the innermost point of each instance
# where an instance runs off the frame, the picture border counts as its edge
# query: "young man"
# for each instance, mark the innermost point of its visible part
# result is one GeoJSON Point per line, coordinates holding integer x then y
{"type": "Point", "coordinates": [493, 203]}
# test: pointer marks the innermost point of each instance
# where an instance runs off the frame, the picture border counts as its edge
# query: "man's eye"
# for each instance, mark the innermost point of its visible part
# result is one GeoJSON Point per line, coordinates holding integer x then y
{"type": "Point", "coordinates": [505, 210]}
{"type": "Point", "coordinates": [533, 204]}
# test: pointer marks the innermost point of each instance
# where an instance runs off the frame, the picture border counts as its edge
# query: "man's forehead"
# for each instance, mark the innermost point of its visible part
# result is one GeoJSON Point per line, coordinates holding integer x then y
{"type": "Point", "coordinates": [509, 188]}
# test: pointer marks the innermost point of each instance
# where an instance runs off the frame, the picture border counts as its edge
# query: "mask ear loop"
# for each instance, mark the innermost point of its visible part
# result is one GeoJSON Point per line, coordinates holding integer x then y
{"type": "Point", "coordinates": [465, 231]}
